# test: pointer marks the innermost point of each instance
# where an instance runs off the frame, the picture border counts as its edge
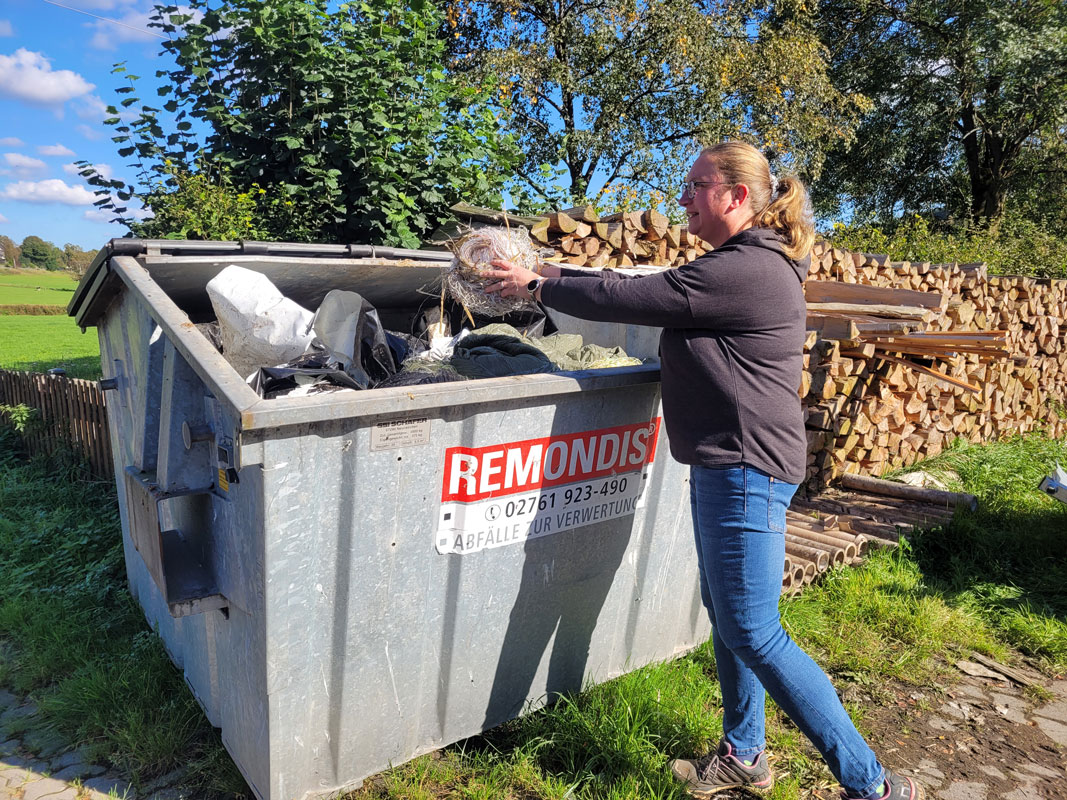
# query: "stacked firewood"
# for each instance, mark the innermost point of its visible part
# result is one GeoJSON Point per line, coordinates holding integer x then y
{"type": "Point", "coordinates": [904, 358]}
{"type": "Point", "coordinates": [624, 239]}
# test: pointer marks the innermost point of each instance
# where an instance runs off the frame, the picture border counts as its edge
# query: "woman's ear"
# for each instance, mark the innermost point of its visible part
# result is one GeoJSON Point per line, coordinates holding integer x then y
{"type": "Point", "coordinates": [738, 195]}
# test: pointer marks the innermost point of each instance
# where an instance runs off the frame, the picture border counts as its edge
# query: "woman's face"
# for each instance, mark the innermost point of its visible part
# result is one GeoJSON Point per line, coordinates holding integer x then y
{"type": "Point", "coordinates": [709, 211]}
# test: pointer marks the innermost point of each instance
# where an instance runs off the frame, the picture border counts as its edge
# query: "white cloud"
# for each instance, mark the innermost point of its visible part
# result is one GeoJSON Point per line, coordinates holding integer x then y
{"type": "Point", "coordinates": [49, 191]}
{"type": "Point", "coordinates": [89, 132]}
{"type": "Point", "coordinates": [23, 166]}
{"type": "Point", "coordinates": [98, 215]}
{"type": "Point", "coordinates": [3, 219]}
{"type": "Point", "coordinates": [134, 28]}
{"type": "Point", "coordinates": [29, 76]}
{"type": "Point", "coordinates": [5, 28]}
{"type": "Point", "coordinates": [104, 170]}
{"type": "Point", "coordinates": [91, 107]}
{"type": "Point", "coordinates": [54, 150]}
{"type": "Point", "coordinates": [11, 141]}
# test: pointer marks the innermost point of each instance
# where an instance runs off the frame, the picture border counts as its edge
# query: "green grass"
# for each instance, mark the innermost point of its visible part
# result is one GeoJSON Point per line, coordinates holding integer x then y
{"type": "Point", "coordinates": [36, 287]}
{"type": "Point", "coordinates": [46, 279]}
{"type": "Point", "coordinates": [993, 581]}
{"type": "Point", "coordinates": [72, 637]}
{"type": "Point", "coordinates": [38, 343]}
{"type": "Point", "coordinates": [1006, 563]}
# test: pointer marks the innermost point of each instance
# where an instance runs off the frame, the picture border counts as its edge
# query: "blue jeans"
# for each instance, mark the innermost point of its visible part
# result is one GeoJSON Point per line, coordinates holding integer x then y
{"type": "Point", "coordinates": [739, 521]}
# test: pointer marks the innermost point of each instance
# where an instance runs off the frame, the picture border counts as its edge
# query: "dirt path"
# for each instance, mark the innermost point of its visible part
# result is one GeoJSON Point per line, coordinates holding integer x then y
{"type": "Point", "coordinates": [979, 739]}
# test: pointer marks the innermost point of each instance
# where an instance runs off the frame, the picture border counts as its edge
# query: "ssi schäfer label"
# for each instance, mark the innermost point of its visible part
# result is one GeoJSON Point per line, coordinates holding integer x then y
{"type": "Point", "coordinates": [507, 493]}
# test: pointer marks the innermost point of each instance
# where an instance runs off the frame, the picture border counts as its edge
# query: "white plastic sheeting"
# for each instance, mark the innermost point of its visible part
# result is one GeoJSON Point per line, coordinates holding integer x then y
{"type": "Point", "coordinates": [259, 326]}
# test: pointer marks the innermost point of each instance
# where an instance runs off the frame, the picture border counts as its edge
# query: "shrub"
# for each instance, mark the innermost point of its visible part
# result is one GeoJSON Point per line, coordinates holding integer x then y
{"type": "Point", "coordinates": [1014, 247]}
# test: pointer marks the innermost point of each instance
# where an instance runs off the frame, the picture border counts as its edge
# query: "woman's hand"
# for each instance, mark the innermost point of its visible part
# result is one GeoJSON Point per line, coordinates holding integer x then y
{"type": "Point", "coordinates": [511, 279]}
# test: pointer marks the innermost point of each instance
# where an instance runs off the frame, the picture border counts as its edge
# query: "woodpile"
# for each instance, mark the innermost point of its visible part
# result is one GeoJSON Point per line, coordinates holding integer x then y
{"type": "Point", "coordinates": [903, 358]}
{"type": "Point", "coordinates": [581, 237]}
{"type": "Point", "coordinates": [625, 239]}
{"type": "Point", "coordinates": [841, 526]}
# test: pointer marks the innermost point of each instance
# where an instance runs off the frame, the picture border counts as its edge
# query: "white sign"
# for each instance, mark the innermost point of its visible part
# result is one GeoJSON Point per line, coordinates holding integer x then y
{"type": "Point", "coordinates": [399, 433]}
{"type": "Point", "coordinates": [508, 493]}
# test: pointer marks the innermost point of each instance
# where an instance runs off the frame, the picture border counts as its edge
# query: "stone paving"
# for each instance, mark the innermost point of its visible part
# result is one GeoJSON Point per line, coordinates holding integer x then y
{"type": "Point", "coordinates": [996, 722]}
{"type": "Point", "coordinates": [36, 763]}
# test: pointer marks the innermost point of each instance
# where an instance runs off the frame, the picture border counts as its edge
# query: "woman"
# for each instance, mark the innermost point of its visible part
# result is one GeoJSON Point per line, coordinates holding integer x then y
{"type": "Point", "coordinates": [730, 356]}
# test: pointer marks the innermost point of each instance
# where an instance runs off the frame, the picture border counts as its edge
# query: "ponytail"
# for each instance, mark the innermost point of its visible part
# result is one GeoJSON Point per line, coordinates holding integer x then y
{"type": "Point", "coordinates": [789, 213]}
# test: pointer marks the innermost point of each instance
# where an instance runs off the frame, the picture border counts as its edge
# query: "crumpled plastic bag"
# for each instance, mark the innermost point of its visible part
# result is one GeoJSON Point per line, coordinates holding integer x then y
{"type": "Point", "coordinates": [258, 325]}
{"type": "Point", "coordinates": [350, 350]}
{"type": "Point", "coordinates": [311, 372]}
{"type": "Point", "coordinates": [348, 327]}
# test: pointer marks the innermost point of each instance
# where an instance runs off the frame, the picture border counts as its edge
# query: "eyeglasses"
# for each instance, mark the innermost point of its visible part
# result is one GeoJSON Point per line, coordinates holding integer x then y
{"type": "Point", "coordinates": [689, 188]}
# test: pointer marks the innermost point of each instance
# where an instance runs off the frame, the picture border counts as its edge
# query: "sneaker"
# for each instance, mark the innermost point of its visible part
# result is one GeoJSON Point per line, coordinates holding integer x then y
{"type": "Point", "coordinates": [716, 772]}
{"type": "Point", "coordinates": [894, 787]}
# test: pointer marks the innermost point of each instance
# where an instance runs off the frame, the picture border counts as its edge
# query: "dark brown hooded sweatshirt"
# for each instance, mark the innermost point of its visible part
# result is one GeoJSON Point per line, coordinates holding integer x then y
{"type": "Point", "coordinates": [730, 353]}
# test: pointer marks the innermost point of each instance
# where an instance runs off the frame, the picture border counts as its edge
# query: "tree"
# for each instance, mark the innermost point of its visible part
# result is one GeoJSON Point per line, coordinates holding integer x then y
{"type": "Point", "coordinates": [970, 99]}
{"type": "Point", "coordinates": [77, 260]}
{"type": "Point", "coordinates": [338, 125]}
{"type": "Point", "coordinates": [39, 254]}
{"type": "Point", "coordinates": [10, 252]}
{"type": "Point", "coordinates": [626, 90]}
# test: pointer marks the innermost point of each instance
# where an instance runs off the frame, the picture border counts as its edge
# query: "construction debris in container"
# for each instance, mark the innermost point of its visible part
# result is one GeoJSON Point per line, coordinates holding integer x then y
{"type": "Point", "coordinates": [344, 346]}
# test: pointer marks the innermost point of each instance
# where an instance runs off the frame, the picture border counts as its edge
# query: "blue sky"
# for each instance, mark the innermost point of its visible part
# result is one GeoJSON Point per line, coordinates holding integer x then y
{"type": "Point", "coordinates": [55, 82]}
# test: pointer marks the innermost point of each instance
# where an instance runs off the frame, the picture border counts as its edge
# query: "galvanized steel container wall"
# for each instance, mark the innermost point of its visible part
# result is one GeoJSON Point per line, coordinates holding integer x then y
{"type": "Point", "coordinates": [317, 622]}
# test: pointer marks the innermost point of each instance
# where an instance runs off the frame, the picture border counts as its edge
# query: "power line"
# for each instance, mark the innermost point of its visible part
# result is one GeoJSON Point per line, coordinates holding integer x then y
{"type": "Point", "coordinates": [106, 19]}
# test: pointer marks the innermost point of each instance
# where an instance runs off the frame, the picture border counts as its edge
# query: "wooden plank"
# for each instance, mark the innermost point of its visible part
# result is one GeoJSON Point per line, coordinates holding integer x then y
{"type": "Point", "coordinates": [832, 326]}
{"type": "Point", "coordinates": [891, 311]}
{"type": "Point", "coordinates": [491, 216]}
{"type": "Point", "coordinates": [873, 326]}
{"type": "Point", "coordinates": [1019, 677]}
{"type": "Point", "coordinates": [931, 372]}
{"type": "Point", "coordinates": [857, 293]}
{"type": "Point", "coordinates": [936, 349]}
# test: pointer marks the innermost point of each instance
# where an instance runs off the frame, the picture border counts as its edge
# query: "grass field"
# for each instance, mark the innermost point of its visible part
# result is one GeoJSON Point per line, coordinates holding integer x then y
{"type": "Point", "coordinates": [990, 581]}
{"type": "Point", "coordinates": [38, 343]}
{"type": "Point", "coordinates": [35, 287]}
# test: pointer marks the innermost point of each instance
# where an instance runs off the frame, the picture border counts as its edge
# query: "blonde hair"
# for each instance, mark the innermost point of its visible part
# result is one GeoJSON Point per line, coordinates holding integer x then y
{"type": "Point", "coordinates": [787, 210]}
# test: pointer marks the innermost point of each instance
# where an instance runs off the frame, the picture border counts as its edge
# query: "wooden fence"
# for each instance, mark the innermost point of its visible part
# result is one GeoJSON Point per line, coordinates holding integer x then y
{"type": "Point", "coordinates": [70, 411]}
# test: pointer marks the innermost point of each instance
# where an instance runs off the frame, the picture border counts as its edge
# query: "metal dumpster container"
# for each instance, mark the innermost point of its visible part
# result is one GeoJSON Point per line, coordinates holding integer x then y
{"type": "Point", "coordinates": [349, 580]}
